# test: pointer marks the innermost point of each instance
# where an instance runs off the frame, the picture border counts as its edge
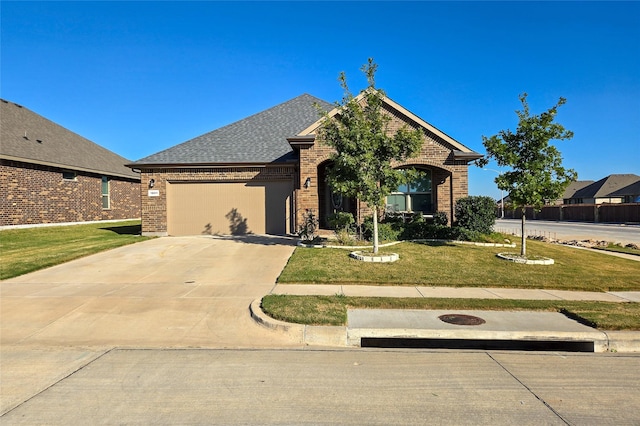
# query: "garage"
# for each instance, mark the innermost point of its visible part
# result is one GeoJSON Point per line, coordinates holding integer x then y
{"type": "Point", "coordinates": [228, 208]}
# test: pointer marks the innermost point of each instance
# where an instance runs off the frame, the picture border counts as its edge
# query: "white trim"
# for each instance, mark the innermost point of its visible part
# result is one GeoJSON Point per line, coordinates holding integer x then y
{"type": "Point", "coordinates": [43, 225]}
{"type": "Point", "coordinates": [314, 127]}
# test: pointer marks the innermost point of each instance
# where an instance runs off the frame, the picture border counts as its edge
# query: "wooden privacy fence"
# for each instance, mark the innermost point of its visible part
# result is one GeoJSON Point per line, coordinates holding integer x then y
{"type": "Point", "coordinates": [596, 213]}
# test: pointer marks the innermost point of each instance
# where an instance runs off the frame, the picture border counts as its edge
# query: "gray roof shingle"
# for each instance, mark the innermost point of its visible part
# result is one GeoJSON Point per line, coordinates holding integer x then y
{"type": "Point", "coordinates": [31, 138]}
{"type": "Point", "coordinates": [260, 138]}
{"type": "Point", "coordinates": [606, 186]}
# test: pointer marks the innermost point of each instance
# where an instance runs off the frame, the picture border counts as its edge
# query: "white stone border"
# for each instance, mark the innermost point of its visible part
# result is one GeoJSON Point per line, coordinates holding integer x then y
{"type": "Point", "coordinates": [376, 258]}
{"type": "Point", "coordinates": [471, 243]}
{"type": "Point", "coordinates": [516, 258]}
{"type": "Point", "coordinates": [393, 243]}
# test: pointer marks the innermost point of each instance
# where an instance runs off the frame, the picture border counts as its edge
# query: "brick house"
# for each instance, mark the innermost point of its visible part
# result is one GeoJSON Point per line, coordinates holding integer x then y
{"type": "Point", "coordinates": [260, 174]}
{"type": "Point", "coordinates": [49, 174]}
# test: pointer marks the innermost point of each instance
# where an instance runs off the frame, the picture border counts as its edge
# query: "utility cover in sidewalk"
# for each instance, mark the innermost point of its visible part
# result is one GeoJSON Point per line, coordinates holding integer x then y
{"type": "Point", "coordinates": [460, 319]}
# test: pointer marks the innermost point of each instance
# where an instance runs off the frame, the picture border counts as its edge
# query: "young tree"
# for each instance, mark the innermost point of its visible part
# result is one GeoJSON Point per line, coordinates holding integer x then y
{"type": "Point", "coordinates": [536, 174]}
{"type": "Point", "coordinates": [365, 146]}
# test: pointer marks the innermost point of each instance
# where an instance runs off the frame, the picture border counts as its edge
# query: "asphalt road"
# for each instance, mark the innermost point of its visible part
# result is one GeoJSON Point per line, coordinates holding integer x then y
{"type": "Point", "coordinates": [270, 386]}
{"type": "Point", "coordinates": [614, 233]}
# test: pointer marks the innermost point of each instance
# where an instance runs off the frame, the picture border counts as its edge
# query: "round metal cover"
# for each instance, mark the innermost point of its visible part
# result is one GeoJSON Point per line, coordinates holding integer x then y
{"type": "Point", "coordinates": [460, 319]}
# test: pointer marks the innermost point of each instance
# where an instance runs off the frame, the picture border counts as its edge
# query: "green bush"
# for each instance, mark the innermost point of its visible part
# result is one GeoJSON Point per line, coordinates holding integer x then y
{"type": "Point", "coordinates": [475, 213]}
{"type": "Point", "coordinates": [440, 218]}
{"type": "Point", "coordinates": [340, 220]}
{"type": "Point", "coordinates": [386, 231]}
{"type": "Point", "coordinates": [425, 231]}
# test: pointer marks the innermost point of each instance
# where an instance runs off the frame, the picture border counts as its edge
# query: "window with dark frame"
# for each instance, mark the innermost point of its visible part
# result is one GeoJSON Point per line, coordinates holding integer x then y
{"type": "Point", "coordinates": [68, 175]}
{"type": "Point", "coordinates": [413, 197]}
{"type": "Point", "coordinates": [106, 200]}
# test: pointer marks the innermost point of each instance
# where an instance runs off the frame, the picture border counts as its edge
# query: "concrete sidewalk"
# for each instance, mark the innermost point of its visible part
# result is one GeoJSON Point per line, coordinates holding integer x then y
{"type": "Point", "coordinates": [453, 292]}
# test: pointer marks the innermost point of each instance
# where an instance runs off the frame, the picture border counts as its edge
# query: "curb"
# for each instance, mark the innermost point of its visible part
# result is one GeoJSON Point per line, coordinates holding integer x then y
{"type": "Point", "coordinates": [319, 335]}
{"type": "Point", "coordinates": [613, 341]}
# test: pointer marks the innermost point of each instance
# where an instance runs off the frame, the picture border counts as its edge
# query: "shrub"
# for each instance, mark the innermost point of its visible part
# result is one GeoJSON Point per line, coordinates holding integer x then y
{"type": "Point", "coordinates": [344, 237]}
{"type": "Point", "coordinates": [340, 220]}
{"type": "Point", "coordinates": [476, 213]}
{"type": "Point", "coordinates": [386, 231]}
{"type": "Point", "coordinates": [309, 226]}
{"type": "Point", "coordinates": [425, 231]}
{"type": "Point", "coordinates": [464, 234]}
{"type": "Point", "coordinates": [440, 218]}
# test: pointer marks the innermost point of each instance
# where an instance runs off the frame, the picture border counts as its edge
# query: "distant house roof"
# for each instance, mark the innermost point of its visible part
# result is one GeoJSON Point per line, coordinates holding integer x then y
{"type": "Point", "coordinates": [606, 186]}
{"type": "Point", "coordinates": [629, 190]}
{"type": "Point", "coordinates": [575, 187]}
{"type": "Point", "coordinates": [31, 138]}
{"type": "Point", "coordinates": [260, 138]}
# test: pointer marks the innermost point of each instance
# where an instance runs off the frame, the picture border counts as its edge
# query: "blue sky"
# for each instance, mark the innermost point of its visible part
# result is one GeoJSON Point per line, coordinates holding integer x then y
{"type": "Point", "coordinates": [139, 77]}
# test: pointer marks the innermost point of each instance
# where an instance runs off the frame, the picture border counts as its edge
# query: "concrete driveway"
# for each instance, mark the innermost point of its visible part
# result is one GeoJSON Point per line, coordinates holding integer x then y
{"type": "Point", "coordinates": [187, 292]}
{"type": "Point", "coordinates": [165, 292]}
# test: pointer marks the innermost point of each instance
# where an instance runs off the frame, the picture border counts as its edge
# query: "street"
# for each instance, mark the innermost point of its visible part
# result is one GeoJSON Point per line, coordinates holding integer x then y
{"type": "Point", "coordinates": [614, 233]}
{"type": "Point", "coordinates": [339, 386]}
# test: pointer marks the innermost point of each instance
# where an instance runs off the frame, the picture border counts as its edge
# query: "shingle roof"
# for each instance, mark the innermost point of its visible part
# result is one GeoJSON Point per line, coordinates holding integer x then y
{"type": "Point", "coordinates": [575, 187]}
{"type": "Point", "coordinates": [31, 138]}
{"type": "Point", "coordinates": [606, 186]}
{"type": "Point", "coordinates": [260, 138]}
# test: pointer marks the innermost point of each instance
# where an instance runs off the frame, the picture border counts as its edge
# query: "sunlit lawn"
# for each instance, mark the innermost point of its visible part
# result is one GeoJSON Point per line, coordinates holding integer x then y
{"type": "Point", "coordinates": [438, 264]}
{"type": "Point", "coordinates": [27, 250]}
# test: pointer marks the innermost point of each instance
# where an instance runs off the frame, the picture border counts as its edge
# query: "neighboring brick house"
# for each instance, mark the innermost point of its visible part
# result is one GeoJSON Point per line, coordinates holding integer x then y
{"type": "Point", "coordinates": [49, 174]}
{"type": "Point", "coordinates": [260, 174]}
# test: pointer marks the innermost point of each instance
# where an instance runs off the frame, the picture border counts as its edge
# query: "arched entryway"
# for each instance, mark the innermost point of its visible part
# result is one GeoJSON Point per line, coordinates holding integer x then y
{"type": "Point", "coordinates": [330, 202]}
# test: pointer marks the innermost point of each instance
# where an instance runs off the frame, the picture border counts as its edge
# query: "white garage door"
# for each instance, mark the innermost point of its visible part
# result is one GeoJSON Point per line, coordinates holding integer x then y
{"type": "Point", "coordinates": [229, 208]}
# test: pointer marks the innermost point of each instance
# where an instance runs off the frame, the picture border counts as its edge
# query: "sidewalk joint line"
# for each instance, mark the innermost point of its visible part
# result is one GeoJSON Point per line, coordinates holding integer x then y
{"type": "Point", "coordinates": [91, 361]}
{"type": "Point", "coordinates": [529, 389]}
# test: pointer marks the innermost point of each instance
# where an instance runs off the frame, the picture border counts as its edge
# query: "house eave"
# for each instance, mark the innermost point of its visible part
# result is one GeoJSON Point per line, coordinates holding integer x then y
{"type": "Point", "coordinates": [301, 141]}
{"type": "Point", "coordinates": [69, 167]}
{"type": "Point", "coordinates": [143, 166]}
{"type": "Point", "coordinates": [466, 156]}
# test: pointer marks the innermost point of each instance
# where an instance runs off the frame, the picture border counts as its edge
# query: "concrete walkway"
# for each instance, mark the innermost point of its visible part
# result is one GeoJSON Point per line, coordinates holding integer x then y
{"type": "Point", "coordinates": [454, 292]}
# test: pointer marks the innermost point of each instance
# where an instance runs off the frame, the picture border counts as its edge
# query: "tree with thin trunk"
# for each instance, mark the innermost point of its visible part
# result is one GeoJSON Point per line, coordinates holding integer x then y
{"type": "Point", "coordinates": [537, 175]}
{"type": "Point", "coordinates": [365, 146]}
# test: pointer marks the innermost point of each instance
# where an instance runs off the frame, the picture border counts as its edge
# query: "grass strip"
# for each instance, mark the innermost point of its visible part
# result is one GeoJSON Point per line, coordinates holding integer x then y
{"type": "Point", "coordinates": [451, 265]}
{"type": "Point", "coordinates": [332, 310]}
{"type": "Point", "coordinates": [30, 249]}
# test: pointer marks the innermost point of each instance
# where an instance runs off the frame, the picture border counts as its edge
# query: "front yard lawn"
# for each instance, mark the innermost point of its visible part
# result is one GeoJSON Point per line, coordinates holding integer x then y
{"type": "Point", "coordinates": [451, 265]}
{"type": "Point", "coordinates": [31, 249]}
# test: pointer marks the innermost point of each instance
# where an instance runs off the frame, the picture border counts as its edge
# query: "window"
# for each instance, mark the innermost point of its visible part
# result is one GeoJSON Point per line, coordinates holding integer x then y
{"type": "Point", "coordinates": [414, 197]}
{"type": "Point", "coordinates": [106, 201]}
{"type": "Point", "coordinates": [69, 175]}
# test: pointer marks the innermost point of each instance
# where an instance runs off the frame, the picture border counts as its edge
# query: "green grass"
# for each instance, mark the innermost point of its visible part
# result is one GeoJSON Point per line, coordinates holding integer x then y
{"type": "Point", "coordinates": [619, 249]}
{"type": "Point", "coordinates": [31, 249]}
{"type": "Point", "coordinates": [332, 310]}
{"type": "Point", "coordinates": [450, 265]}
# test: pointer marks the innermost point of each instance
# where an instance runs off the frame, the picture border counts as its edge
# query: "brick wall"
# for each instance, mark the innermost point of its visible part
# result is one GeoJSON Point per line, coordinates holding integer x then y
{"type": "Point", "coordinates": [450, 177]}
{"type": "Point", "coordinates": [154, 209]}
{"type": "Point", "coordinates": [33, 194]}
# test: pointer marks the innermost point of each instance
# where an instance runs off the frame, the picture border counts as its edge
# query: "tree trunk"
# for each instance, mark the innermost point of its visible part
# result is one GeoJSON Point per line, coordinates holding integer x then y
{"type": "Point", "coordinates": [375, 231]}
{"type": "Point", "coordinates": [523, 249]}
